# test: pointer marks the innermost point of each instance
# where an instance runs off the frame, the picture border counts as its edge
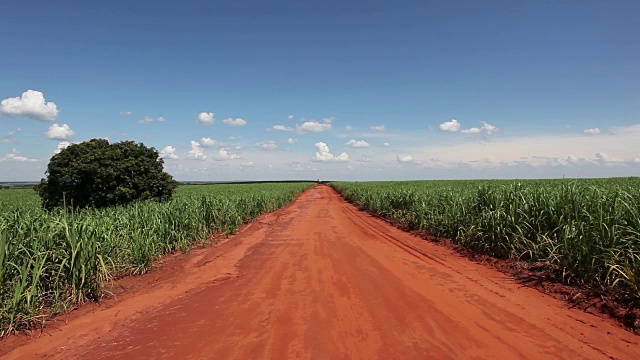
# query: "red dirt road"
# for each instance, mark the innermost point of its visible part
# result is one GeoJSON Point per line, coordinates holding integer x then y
{"type": "Point", "coordinates": [321, 280]}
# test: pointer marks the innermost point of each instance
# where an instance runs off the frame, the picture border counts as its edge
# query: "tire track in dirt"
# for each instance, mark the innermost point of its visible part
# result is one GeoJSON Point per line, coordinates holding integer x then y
{"type": "Point", "coordinates": [320, 279]}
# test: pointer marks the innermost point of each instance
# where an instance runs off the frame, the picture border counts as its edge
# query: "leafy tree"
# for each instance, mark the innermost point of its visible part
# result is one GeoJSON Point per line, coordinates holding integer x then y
{"type": "Point", "coordinates": [98, 174]}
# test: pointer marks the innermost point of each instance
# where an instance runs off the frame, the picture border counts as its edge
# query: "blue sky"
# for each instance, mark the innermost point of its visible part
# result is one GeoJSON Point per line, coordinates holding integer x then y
{"type": "Point", "coordinates": [536, 89]}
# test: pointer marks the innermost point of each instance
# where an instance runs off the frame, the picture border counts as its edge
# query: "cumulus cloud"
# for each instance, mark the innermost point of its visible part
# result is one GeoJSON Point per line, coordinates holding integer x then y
{"type": "Point", "coordinates": [30, 104]}
{"type": "Point", "coordinates": [205, 118]}
{"type": "Point", "coordinates": [223, 154]}
{"type": "Point", "coordinates": [312, 126]}
{"type": "Point", "coordinates": [247, 164]}
{"type": "Point", "coordinates": [282, 128]}
{"type": "Point", "coordinates": [451, 126]}
{"type": "Point", "coordinates": [196, 152]}
{"type": "Point", "coordinates": [149, 119]}
{"type": "Point", "coordinates": [292, 141]}
{"type": "Point", "coordinates": [378, 128]}
{"type": "Point", "coordinates": [15, 156]}
{"type": "Point", "coordinates": [233, 122]}
{"type": "Point", "coordinates": [267, 145]}
{"type": "Point", "coordinates": [488, 128]}
{"type": "Point", "coordinates": [60, 132]}
{"type": "Point", "coordinates": [290, 117]}
{"type": "Point", "coordinates": [348, 128]}
{"type": "Point", "coordinates": [473, 130]}
{"type": "Point", "coordinates": [404, 158]}
{"type": "Point", "coordinates": [329, 119]}
{"type": "Point", "coordinates": [169, 152]}
{"type": "Point", "coordinates": [61, 146]}
{"type": "Point", "coordinates": [386, 144]}
{"type": "Point", "coordinates": [593, 131]}
{"type": "Point", "coordinates": [209, 142]}
{"type": "Point", "coordinates": [324, 154]}
{"type": "Point", "coordinates": [357, 143]}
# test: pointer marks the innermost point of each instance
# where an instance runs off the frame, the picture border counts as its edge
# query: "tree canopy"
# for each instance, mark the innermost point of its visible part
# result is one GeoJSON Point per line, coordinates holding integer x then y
{"type": "Point", "coordinates": [98, 174]}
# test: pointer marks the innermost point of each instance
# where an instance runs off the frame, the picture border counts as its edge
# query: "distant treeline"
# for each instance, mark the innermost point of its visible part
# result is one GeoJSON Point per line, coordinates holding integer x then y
{"type": "Point", "coordinates": [17, 185]}
{"type": "Point", "coordinates": [28, 185]}
{"type": "Point", "coordinates": [247, 182]}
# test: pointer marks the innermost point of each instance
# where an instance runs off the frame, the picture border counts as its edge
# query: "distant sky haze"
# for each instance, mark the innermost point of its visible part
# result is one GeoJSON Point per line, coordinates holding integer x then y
{"type": "Point", "coordinates": [349, 90]}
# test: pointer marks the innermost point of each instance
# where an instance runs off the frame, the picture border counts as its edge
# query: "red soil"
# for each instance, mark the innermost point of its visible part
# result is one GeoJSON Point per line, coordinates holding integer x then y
{"type": "Point", "coordinates": [320, 279]}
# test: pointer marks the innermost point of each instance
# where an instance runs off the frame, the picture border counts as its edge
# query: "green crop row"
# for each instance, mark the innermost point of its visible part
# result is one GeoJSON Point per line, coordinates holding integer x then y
{"type": "Point", "coordinates": [585, 231]}
{"type": "Point", "coordinates": [50, 261]}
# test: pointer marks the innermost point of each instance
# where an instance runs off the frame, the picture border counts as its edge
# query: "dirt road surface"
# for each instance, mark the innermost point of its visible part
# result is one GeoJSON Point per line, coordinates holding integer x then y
{"type": "Point", "coordinates": [321, 280]}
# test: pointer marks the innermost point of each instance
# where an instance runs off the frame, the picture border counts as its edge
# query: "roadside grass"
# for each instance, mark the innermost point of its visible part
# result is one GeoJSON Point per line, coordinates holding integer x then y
{"type": "Point", "coordinates": [586, 232]}
{"type": "Point", "coordinates": [51, 261]}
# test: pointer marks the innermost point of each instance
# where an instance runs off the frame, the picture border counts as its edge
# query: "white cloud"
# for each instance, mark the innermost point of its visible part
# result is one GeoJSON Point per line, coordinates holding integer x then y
{"type": "Point", "coordinates": [126, 113]}
{"type": "Point", "coordinates": [268, 145]}
{"type": "Point", "coordinates": [169, 152]}
{"type": "Point", "coordinates": [378, 128]}
{"type": "Point", "coordinates": [488, 128]}
{"type": "Point", "coordinates": [205, 118]}
{"type": "Point", "coordinates": [234, 122]}
{"type": "Point", "coordinates": [473, 130]}
{"type": "Point", "coordinates": [404, 158]}
{"type": "Point", "coordinates": [15, 156]}
{"type": "Point", "coordinates": [223, 155]}
{"type": "Point", "coordinates": [209, 142]}
{"type": "Point", "coordinates": [451, 126]}
{"type": "Point", "coordinates": [541, 150]}
{"type": "Point", "coordinates": [603, 158]}
{"type": "Point", "coordinates": [312, 126]}
{"type": "Point", "coordinates": [348, 128]}
{"type": "Point", "coordinates": [247, 164]}
{"type": "Point", "coordinates": [292, 141]}
{"type": "Point", "coordinates": [149, 119]}
{"type": "Point", "coordinates": [386, 144]}
{"type": "Point", "coordinates": [60, 132]}
{"type": "Point", "coordinates": [282, 128]}
{"type": "Point", "coordinates": [329, 119]}
{"type": "Point", "coordinates": [196, 152]}
{"type": "Point", "coordinates": [32, 105]}
{"type": "Point", "coordinates": [61, 146]}
{"type": "Point", "coordinates": [290, 117]}
{"type": "Point", "coordinates": [599, 158]}
{"type": "Point", "coordinates": [298, 166]}
{"type": "Point", "coordinates": [593, 131]}
{"type": "Point", "coordinates": [6, 140]}
{"type": "Point", "coordinates": [324, 154]}
{"type": "Point", "coordinates": [357, 143]}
